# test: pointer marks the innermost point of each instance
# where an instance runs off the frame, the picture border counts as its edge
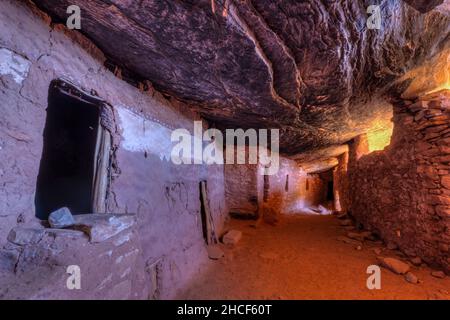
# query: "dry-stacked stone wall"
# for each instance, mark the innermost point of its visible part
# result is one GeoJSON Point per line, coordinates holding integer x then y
{"type": "Point", "coordinates": [403, 192]}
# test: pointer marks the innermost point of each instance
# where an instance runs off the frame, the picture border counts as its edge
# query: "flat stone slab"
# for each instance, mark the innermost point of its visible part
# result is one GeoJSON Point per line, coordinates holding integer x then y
{"type": "Point", "coordinates": [395, 265]}
{"type": "Point", "coordinates": [61, 218]}
{"type": "Point", "coordinates": [232, 237]}
{"type": "Point", "coordinates": [25, 236]}
{"type": "Point", "coordinates": [101, 226]}
{"type": "Point", "coordinates": [349, 241]}
{"type": "Point", "coordinates": [438, 274]}
{"type": "Point", "coordinates": [360, 236]}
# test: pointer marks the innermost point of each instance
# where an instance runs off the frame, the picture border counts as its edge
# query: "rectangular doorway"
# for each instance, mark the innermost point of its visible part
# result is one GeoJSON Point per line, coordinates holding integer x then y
{"type": "Point", "coordinates": [73, 156]}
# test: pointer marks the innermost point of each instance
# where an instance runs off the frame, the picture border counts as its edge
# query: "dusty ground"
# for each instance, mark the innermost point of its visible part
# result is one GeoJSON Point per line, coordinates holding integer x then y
{"type": "Point", "coordinates": [301, 258]}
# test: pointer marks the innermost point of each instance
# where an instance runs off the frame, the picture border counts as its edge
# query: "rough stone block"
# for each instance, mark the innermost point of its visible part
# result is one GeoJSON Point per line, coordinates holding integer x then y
{"type": "Point", "coordinates": [232, 237]}
{"type": "Point", "coordinates": [360, 236]}
{"type": "Point", "coordinates": [101, 227]}
{"type": "Point", "coordinates": [438, 274]}
{"type": "Point", "coordinates": [419, 116]}
{"type": "Point", "coordinates": [418, 106]}
{"type": "Point", "coordinates": [61, 218]}
{"type": "Point", "coordinates": [24, 236]}
{"type": "Point", "coordinates": [445, 181]}
{"type": "Point", "coordinates": [443, 159]}
{"type": "Point", "coordinates": [434, 104]}
{"type": "Point", "coordinates": [444, 149]}
{"type": "Point", "coordinates": [214, 252]}
{"type": "Point", "coordinates": [434, 199]}
{"type": "Point", "coordinates": [411, 278]}
{"type": "Point", "coordinates": [443, 211]}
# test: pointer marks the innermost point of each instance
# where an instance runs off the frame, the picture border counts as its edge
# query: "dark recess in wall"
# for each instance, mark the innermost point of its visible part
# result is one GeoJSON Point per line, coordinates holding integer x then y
{"type": "Point", "coordinates": [67, 166]}
{"type": "Point", "coordinates": [330, 188]}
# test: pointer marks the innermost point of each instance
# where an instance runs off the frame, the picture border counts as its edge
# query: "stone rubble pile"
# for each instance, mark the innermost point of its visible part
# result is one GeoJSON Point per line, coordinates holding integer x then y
{"type": "Point", "coordinates": [394, 264]}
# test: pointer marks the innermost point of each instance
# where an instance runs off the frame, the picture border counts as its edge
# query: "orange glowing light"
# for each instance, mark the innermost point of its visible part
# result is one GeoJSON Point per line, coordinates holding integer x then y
{"type": "Point", "coordinates": [445, 86]}
{"type": "Point", "coordinates": [378, 140]}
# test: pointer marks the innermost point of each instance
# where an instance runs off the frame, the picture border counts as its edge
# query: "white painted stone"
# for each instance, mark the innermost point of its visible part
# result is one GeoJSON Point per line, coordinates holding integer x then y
{"type": "Point", "coordinates": [13, 65]}
{"type": "Point", "coordinates": [142, 135]}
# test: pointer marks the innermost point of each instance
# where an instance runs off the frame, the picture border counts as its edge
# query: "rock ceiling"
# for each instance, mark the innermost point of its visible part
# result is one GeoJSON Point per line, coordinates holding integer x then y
{"type": "Point", "coordinates": [311, 68]}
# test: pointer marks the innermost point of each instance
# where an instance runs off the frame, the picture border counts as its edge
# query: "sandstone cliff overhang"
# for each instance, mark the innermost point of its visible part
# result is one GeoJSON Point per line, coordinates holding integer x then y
{"type": "Point", "coordinates": [311, 68]}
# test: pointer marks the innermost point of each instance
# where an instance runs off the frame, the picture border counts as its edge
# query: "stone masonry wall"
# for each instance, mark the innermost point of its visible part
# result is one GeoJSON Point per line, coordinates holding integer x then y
{"type": "Point", "coordinates": [164, 197]}
{"type": "Point", "coordinates": [403, 192]}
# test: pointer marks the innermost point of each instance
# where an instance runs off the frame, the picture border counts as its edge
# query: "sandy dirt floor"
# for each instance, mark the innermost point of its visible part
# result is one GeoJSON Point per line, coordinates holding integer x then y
{"type": "Point", "coordinates": [301, 258]}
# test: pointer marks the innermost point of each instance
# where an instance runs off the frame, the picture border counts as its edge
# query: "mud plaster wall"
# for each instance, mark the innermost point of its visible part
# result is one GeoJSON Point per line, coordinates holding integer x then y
{"type": "Point", "coordinates": [164, 196]}
{"type": "Point", "coordinates": [403, 192]}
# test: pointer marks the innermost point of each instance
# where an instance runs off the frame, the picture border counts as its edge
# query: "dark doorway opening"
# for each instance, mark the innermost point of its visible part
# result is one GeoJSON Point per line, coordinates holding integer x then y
{"type": "Point", "coordinates": [330, 190]}
{"type": "Point", "coordinates": [67, 169]}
